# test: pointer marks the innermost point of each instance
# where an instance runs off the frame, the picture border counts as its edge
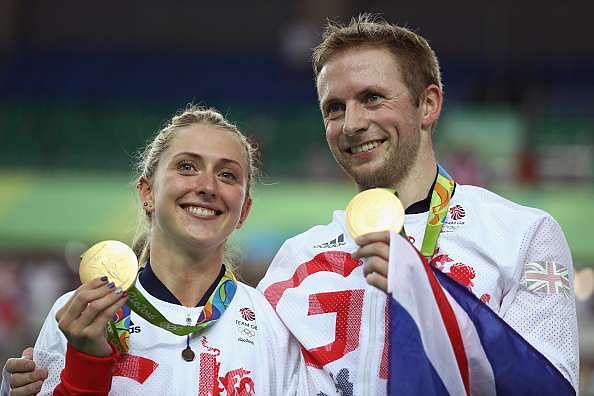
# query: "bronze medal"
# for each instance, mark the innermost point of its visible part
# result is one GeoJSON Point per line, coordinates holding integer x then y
{"type": "Point", "coordinates": [113, 259]}
{"type": "Point", "coordinates": [188, 354]}
{"type": "Point", "coordinates": [377, 209]}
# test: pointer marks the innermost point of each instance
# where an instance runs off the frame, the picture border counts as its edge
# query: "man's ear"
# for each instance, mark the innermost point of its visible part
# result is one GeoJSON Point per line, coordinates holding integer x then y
{"type": "Point", "coordinates": [245, 211]}
{"type": "Point", "coordinates": [431, 105]}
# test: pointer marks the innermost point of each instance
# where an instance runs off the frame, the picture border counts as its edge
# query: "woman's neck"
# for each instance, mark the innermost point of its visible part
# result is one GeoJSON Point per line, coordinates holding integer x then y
{"type": "Point", "coordinates": [186, 276]}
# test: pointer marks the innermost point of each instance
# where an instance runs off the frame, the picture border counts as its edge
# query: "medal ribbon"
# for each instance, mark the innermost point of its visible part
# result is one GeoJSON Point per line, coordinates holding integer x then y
{"type": "Point", "coordinates": [438, 209]}
{"type": "Point", "coordinates": [217, 303]}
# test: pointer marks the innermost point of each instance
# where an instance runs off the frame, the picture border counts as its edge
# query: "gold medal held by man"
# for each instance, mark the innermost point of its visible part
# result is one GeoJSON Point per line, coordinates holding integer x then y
{"type": "Point", "coordinates": [377, 209]}
{"type": "Point", "coordinates": [113, 259]}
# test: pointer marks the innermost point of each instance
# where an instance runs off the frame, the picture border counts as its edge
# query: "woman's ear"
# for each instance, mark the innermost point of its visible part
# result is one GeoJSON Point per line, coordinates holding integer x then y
{"type": "Point", "coordinates": [145, 193]}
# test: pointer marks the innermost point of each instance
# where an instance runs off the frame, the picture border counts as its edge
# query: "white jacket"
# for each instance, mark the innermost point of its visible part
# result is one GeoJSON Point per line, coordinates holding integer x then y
{"type": "Point", "coordinates": [320, 293]}
{"type": "Point", "coordinates": [247, 351]}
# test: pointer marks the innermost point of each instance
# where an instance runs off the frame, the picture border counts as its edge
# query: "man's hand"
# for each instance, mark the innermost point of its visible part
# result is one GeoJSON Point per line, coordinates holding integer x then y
{"type": "Point", "coordinates": [25, 378]}
{"type": "Point", "coordinates": [375, 248]}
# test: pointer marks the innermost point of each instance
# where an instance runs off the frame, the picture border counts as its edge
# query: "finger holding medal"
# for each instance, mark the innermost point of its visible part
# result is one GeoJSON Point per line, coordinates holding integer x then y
{"type": "Point", "coordinates": [374, 247]}
{"type": "Point", "coordinates": [84, 318]}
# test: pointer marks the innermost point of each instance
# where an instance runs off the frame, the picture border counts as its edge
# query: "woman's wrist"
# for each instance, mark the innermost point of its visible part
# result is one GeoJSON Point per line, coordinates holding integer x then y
{"type": "Point", "coordinates": [88, 373]}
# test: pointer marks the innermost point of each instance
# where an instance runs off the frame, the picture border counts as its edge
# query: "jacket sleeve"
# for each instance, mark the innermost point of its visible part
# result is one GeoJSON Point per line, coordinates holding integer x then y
{"type": "Point", "coordinates": [540, 304]}
{"type": "Point", "coordinates": [70, 372]}
{"type": "Point", "coordinates": [85, 374]}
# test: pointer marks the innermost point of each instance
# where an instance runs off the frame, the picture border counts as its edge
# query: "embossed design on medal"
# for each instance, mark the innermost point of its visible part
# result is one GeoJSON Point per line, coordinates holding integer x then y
{"type": "Point", "coordinates": [377, 209]}
{"type": "Point", "coordinates": [114, 259]}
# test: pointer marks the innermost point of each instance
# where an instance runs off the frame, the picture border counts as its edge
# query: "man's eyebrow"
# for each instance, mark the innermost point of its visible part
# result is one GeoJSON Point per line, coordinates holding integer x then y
{"type": "Point", "coordinates": [372, 89]}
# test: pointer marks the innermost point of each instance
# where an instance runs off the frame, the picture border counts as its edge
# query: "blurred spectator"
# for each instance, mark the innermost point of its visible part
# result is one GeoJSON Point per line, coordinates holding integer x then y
{"type": "Point", "coordinates": [11, 305]}
{"type": "Point", "coordinates": [302, 32]}
{"type": "Point", "coordinates": [527, 171]}
{"type": "Point", "coordinates": [466, 168]}
{"type": "Point", "coordinates": [45, 280]}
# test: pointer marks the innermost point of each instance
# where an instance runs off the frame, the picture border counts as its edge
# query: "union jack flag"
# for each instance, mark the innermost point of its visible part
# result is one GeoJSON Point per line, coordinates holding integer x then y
{"type": "Point", "coordinates": [456, 344]}
{"type": "Point", "coordinates": [547, 278]}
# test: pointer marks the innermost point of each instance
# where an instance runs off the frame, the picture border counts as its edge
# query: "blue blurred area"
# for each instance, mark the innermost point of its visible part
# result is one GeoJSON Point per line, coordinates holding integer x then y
{"type": "Point", "coordinates": [213, 77]}
{"type": "Point", "coordinates": [247, 78]}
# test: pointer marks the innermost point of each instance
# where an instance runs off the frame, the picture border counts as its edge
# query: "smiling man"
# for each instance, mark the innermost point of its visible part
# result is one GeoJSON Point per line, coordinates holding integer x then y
{"type": "Point", "coordinates": [380, 94]}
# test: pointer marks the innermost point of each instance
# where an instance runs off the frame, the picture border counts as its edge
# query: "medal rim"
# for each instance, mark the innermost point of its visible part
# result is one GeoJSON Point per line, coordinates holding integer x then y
{"type": "Point", "coordinates": [354, 212]}
{"type": "Point", "coordinates": [88, 265]}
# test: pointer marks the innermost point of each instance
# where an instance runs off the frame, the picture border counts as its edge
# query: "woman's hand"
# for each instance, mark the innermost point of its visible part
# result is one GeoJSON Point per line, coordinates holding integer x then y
{"type": "Point", "coordinates": [84, 318]}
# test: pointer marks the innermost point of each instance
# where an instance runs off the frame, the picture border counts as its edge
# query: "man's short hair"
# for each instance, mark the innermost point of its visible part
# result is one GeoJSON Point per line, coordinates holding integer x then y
{"type": "Point", "coordinates": [419, 64]}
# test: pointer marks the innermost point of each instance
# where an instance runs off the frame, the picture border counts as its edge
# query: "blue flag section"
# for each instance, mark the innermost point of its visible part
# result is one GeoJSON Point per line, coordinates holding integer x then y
{"type": "Point", "coordinates": [445, 341]}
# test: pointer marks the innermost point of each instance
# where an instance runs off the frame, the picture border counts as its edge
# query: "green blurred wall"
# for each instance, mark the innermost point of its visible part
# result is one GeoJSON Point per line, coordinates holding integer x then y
{"type": "Point", "coordinates": [47, 210]}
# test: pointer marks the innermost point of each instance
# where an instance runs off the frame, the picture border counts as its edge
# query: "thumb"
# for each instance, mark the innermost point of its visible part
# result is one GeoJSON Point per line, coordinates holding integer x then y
{"type": "Point", "coordinates": [28, 353]}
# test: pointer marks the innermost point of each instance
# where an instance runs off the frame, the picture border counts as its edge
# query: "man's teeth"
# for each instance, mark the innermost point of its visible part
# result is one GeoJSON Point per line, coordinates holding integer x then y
{"type": "Point", "coordinates": [365, 147]}
{"type": "Point", "coordinates": [201, 211]}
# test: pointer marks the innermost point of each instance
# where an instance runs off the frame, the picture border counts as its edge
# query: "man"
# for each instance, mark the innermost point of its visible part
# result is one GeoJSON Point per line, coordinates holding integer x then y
{"type": "Point", "coordinates": [380, 94]}
{"type": "Point", "coordinates": [20, 377]}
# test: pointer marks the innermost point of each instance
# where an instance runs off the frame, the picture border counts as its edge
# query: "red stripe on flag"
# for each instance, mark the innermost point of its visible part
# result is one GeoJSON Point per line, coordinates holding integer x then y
{"type": "Point", "coordinates": [451, 324]}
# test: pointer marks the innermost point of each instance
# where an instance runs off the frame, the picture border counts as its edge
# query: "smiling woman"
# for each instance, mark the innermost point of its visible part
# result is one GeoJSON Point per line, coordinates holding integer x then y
{"type": "Point", "coordinates": [197, 149]}
{"type": "Point", "coordinates": [194, 184]}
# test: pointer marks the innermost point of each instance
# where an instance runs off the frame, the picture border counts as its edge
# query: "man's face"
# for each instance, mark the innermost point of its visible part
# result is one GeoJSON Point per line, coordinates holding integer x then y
{"type": "Point", "coordinates": [372, 125]}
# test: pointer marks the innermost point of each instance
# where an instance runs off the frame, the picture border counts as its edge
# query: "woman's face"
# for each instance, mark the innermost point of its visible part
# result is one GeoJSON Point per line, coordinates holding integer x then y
{"type": "Point", "coordinates": [199, 190]}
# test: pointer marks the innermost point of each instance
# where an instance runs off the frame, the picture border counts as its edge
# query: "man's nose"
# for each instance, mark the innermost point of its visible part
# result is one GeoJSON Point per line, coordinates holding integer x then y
{"type": "Point", "coordinates": [355, 119]}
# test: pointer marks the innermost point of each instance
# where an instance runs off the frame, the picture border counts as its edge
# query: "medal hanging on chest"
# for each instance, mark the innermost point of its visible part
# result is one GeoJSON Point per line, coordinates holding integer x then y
{"type": "Point", "coordinates": [214, 308]}
{"type": "Point", "coordinates": [188, 354]}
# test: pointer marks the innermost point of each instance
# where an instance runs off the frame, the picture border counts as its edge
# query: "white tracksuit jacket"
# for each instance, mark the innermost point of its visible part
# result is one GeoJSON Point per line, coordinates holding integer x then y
{"type": "Point", "coordinates": [247, 351]}
{"type": "Point", "coordinates": [320, 293]}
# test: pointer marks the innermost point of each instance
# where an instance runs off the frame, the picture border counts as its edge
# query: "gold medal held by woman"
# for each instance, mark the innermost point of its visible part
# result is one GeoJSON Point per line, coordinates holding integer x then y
{"type": "Point", "coordinates": [113, 259]}
{"type": "Point", "coordinates": [377, 209]}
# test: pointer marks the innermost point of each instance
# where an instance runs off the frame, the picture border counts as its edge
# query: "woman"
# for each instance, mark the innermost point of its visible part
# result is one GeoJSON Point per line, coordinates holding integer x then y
{"type": "Point", "coordinates": [194, 184]}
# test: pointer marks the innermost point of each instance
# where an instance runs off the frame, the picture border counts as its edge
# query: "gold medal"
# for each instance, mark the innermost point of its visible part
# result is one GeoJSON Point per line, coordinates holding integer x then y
{"type": "Point", "coordinates": [378, 209]}
{"type": "Point", "coordinates": [113, 259]}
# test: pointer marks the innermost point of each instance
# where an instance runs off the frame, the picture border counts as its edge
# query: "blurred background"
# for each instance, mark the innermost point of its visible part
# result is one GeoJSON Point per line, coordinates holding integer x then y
{"type": "Point", "coordinates": [84, 85]}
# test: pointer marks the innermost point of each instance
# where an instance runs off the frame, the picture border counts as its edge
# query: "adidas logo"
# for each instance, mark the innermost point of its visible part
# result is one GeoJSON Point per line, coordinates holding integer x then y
{"type": "Point", "coordinates": [133, 328]}
{"type": "Point", "coordinates": [336, 242]}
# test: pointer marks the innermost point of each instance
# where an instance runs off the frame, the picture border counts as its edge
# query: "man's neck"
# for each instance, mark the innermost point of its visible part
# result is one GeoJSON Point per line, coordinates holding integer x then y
{"type": "Point", "coordinates": [417, 184]}
{"type": "Point", "coordinates": [186, 276]}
